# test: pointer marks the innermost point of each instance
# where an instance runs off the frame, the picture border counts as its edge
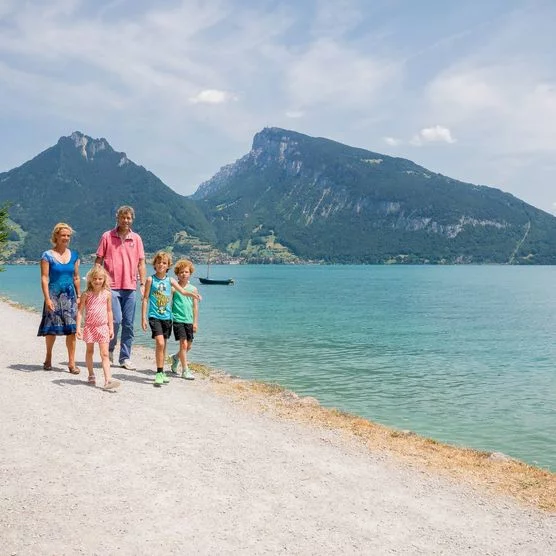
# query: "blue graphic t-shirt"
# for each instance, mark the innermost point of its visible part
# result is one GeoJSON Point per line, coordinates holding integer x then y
{"type": "Point", "coordinates": [160, 299]}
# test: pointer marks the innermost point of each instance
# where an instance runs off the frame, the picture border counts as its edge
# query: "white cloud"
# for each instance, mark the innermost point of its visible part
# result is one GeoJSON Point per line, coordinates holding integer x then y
{"type": "Point", "coordinates": [392, 141]}
{"type": "Point", "coordinates": [332, 73]}
{"type": "Point", "coordinates": [435, 134]}
{"type": "Point", "coordinates": [460, 94]}
{"type": "Point", "coordinates": [294, 114]}
{"type": "Point", "coordinates": [212, 96]}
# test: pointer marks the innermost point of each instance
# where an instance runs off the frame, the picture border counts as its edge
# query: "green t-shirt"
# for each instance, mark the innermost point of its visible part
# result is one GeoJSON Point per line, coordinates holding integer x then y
{"type": "Point", "coordinates": [182, 306]}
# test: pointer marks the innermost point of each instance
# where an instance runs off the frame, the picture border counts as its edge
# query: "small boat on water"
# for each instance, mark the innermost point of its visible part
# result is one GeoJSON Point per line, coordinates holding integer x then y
{"type": "Point", "coordinates": [215, 282]}
{"type": "Point", "coordinates": [226, 282]}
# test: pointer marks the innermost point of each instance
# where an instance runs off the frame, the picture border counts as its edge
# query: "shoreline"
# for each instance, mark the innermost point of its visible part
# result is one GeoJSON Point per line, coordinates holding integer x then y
{"type": "Point", "coordinates": [495, 472]}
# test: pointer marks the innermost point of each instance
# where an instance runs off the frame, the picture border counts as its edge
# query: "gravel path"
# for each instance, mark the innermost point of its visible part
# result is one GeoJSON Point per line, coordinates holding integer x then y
{"type": "Point", "coordinates": [182, 470]}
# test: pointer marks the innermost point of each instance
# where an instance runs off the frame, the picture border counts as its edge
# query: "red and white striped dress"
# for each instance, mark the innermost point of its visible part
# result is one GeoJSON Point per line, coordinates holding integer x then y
{"type": "Point", "coordinates": [96, 318]}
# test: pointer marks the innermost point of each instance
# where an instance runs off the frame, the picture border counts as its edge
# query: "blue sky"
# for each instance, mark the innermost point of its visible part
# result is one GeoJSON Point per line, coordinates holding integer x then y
{"type": "Point", "coordinates": [467, 89]}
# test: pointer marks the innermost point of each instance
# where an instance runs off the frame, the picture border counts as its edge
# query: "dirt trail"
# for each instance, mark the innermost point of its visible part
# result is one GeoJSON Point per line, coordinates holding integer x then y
{"type": "Point", "coordinates": [183, 470]}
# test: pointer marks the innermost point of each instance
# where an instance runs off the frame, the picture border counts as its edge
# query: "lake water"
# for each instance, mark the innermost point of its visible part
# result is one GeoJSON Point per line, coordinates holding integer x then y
{"type": "Point", "coordinates": [462, 354]}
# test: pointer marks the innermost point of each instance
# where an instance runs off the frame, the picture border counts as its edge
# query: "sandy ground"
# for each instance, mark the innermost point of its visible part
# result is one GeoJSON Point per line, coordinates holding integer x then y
{"type": "Point", "coordinates": [183, 470]}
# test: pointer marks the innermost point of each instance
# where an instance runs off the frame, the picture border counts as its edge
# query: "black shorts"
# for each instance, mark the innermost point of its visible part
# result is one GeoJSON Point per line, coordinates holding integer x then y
{"type": "Point", "coordinates": [183, 331]}
{"type": "Point", "coordinates": [160, 327]}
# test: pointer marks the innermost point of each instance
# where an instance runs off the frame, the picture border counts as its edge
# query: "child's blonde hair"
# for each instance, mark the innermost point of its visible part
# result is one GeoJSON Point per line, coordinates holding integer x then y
{"type": "Point", "coordinates": [162, 255]}
{"type": "Point", "coordinates": [97, 270]}
{"type": "Point", "coordinates": [184, 263]}
{"type": "Point", "coordinates": [56, 231]}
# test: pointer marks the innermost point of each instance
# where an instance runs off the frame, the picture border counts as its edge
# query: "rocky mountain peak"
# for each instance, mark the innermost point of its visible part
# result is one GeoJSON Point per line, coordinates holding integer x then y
{"type": "Point", "coordinates": [274, 143]}
{"type": "Point", "coordinates": [87, 146]}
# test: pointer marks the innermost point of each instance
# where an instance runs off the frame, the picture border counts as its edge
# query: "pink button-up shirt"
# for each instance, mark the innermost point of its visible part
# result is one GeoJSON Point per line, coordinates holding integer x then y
{"type": "Point", "coordinates": [121, 258]}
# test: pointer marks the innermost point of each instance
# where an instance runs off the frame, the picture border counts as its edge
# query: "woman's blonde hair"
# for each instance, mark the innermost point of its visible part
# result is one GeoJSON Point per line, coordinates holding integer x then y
{"type": "Point", "coordinates": [97, 270]}
{"type": "Point", "coordinates": [184, 263]}
{"type": "Point", "coordinates": [160, 255]}
{"type": "Point", "coordinates": [56, 231]}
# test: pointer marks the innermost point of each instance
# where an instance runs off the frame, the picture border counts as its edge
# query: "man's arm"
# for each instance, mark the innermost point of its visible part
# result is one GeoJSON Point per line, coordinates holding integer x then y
{"type": "Point", "coordinates": [142, 270]}
{"type": "Point", "coordinates": [101, 251]}
{"type": "Point", "coordinates": [144, 303]}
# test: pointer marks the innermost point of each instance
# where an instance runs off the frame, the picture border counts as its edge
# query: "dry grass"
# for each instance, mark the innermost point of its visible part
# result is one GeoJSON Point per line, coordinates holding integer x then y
{"type": "Point", "coordinates": [498, 474]}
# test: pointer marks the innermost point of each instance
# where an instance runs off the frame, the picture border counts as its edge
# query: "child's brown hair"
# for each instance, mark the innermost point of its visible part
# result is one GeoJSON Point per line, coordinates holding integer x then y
{"type": "Point", "coordinates": [184, 263]}
{"type": "Point", "coordinates": [162, 255]}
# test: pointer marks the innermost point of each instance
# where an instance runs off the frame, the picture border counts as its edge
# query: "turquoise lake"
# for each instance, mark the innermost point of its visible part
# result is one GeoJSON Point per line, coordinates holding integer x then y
{"type": "Point", "coordinates": [462, 354]}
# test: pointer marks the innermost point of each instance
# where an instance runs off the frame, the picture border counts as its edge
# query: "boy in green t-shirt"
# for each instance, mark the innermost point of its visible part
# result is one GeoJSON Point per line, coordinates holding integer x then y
{"type": "Point", "coordinates": [185, 311]}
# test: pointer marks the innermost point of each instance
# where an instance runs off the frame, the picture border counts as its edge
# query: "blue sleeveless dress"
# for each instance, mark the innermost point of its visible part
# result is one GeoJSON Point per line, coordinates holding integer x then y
{"type": "Point", "coordinates": [61, 321]}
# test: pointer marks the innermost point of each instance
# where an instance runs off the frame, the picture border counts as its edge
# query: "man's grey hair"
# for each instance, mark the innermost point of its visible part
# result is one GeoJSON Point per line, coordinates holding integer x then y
{"type": "Point", "coordinates": [124, 210]}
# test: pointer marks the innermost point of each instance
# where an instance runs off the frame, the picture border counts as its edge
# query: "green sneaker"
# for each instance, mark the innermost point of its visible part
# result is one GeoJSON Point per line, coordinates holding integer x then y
{"type": "Point", "coordinates": [187, 374]}
{"type": "Point", "coordinates": [174, 363]}
{"type": "Point", "coordinates": [165, 379]}
{"type": "Point", "coordinates": [158, 379]}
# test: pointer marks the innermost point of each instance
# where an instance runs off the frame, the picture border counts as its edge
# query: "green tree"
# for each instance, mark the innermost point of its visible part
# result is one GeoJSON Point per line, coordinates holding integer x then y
{"type": "Point", "coordinates": [4, 230]}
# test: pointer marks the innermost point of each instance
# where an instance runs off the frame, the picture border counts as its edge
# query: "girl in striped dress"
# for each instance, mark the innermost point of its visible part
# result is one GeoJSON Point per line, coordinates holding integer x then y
{"type": "Point", "coordinates": [96, 303]}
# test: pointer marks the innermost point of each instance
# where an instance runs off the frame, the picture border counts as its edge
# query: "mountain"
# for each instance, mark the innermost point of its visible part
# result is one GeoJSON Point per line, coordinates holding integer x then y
{"type": "Point", "coordinates": [322, 200]}
{"type": "Point", "coordinates": [291, 198]}
{"type": "Point", "coordinates": [83, 181]}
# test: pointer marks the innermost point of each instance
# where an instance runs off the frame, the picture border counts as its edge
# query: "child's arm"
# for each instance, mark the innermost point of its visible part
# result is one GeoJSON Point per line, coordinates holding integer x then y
{"type": "Point", "coordinates": [110, 315]}
{"type": "Point", "coordinates": [195, 313]}
{"type": "Point", "coordinates": [178, 288]}
{"type": "Point", "coordinates": [148, 284]}
{"type": "Point", "coordinates": [79, 319]}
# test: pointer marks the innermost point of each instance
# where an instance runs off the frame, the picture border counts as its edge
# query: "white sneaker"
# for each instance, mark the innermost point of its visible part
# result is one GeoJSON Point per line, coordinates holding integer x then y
{"type": "Point", "coordinates": [187, 374]}
{"type": "Point", "coordinates": [127, 364]}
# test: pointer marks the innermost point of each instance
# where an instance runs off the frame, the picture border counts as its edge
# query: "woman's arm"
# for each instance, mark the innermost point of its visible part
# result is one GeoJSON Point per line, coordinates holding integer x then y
{"type": "Point", "coordinates": [146, 302]}
{"type": "Point", "coordinates": [77, 279]}
{"type": "Point", "coordinates": [45, 267]}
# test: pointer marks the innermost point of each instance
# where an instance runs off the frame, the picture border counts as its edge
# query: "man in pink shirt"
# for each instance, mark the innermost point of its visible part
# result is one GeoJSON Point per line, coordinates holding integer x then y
{"type": "Point", "coordinates": [121, 252]}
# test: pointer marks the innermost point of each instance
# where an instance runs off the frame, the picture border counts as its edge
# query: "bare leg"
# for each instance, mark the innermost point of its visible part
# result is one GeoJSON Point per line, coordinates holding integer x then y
{"type": "Point", "coordinates": [49, 345]}
{"type": "Point", "coordinates": [89, 359]}
{"type": "Point", "coordinates": [105, 363]}
{"type": "Point", "coordinates": [160, 351]}
{"type": "Point", "coordinates": [183, 353]}
{"type": "Point", "coordinates": [70, 344]}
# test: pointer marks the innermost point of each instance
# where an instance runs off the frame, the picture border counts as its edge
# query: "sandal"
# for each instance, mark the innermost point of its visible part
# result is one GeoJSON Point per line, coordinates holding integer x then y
{"type": "Point", "coordinates": [74, 371]}
{"type": "Point", "coordinates": [46, 367]}
{"type": "Point", "coordinates": [92, 380]}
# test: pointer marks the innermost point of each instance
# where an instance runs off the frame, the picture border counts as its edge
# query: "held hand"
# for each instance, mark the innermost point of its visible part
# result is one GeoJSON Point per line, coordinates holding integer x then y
{"type": "Point", "coordinates": [198, 297]}
{"type": "Point", "coordinates": [79, 333]}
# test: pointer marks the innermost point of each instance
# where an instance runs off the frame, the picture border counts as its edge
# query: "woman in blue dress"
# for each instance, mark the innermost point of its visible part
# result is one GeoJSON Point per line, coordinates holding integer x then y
{"type": "Point", "coordinates": [61, 290]}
